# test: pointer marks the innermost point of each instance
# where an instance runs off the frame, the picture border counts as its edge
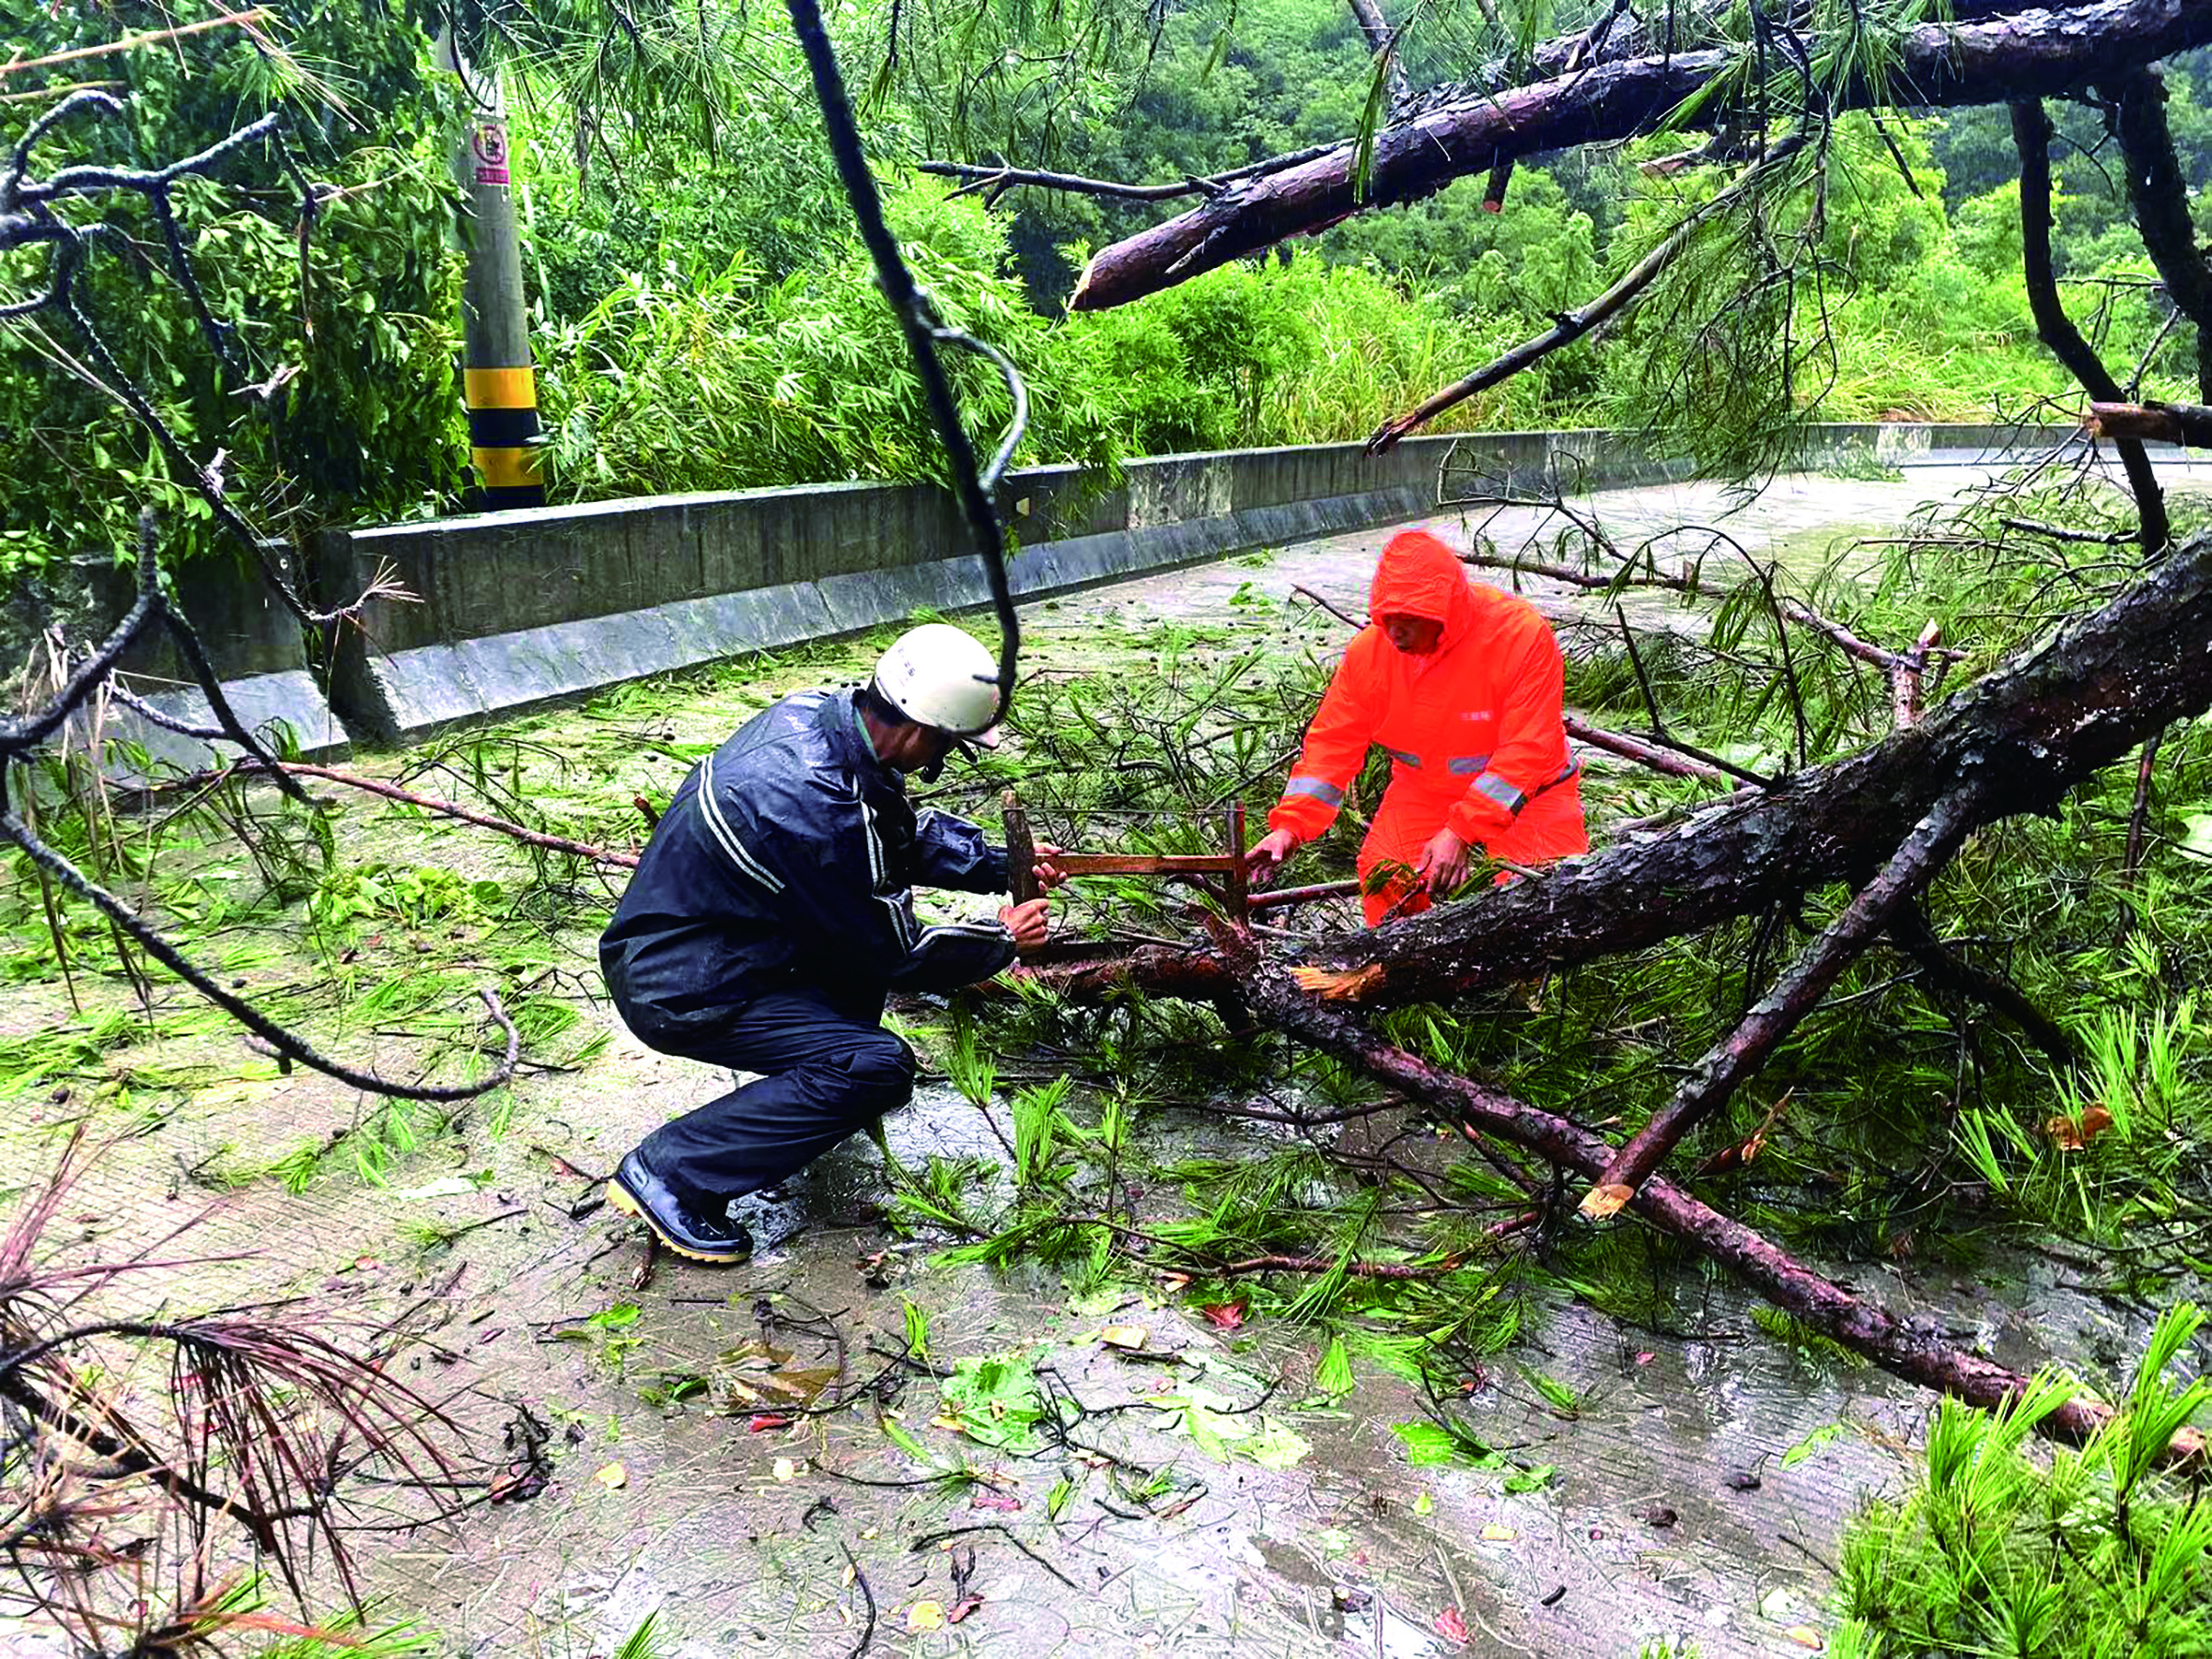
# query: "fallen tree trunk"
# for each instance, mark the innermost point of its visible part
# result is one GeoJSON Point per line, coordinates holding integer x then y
{"type": "Point", "coordinates": [2037, 53]}
{"type": "Point", "coordinates": [2021, 737]}
{"type": "Point", "coordinates": [1865, 1326]}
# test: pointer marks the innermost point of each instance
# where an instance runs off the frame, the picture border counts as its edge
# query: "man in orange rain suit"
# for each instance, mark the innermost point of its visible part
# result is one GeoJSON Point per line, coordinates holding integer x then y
{"type": "Point", "coordinates": [1462, 685]}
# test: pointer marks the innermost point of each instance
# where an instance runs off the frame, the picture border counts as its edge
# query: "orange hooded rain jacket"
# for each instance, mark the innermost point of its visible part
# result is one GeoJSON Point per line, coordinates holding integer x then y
{"type": "Point", "coordinates": [1473, 730]}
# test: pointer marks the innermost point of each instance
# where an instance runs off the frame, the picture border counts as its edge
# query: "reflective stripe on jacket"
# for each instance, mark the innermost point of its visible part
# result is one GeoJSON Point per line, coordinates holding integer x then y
{"type": "Point", "coordinates": [787, 856]}
{"type": "Point", "coordinates": [1477, 725]}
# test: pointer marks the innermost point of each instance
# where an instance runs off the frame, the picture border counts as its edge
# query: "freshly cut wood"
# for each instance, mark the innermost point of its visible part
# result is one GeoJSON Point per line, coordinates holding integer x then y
{"type": "Point", "coordinates": [2188, 424]}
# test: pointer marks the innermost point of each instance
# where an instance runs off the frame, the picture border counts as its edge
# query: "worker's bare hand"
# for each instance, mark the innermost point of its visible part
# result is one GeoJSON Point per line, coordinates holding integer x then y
{"type": "Point", "coordinates": [1443, 863]}
{"type": "Point", "coordinates": [1047, 873]}
{"type": "Point", "coordinates": [1269, 856]}
{"type": "Point", "coordinates": [1030, 923]}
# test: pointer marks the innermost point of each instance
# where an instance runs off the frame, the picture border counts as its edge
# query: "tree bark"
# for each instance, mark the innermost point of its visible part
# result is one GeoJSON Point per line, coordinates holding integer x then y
{"type": "Point", "coordinates": [2029, 54]}
{"type": "Point", "coordinates": [2159, 191]}
{"type": "Point", "coordinates": [1633, 38]}
{"type": "Point", "coordinates": [2188, 423]}
{"type": "Point", "coordinates": [2031, 137]}
{"type": "Point", "coordinates": [1744, 1050]}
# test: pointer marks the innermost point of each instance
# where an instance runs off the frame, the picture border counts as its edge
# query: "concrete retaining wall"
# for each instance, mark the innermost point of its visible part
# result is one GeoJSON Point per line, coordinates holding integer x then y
{"type": "Point", "coordinates": [523, 608]}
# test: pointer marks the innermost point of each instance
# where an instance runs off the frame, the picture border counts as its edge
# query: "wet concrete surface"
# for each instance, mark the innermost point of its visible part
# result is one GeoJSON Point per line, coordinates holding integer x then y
{"type": "Point", "coordinates": [1702, 1478]}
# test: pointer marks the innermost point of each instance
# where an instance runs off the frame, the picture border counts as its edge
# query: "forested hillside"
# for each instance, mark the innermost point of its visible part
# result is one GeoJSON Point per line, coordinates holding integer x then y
{"type": "Point", "coordinates": [703, 317]}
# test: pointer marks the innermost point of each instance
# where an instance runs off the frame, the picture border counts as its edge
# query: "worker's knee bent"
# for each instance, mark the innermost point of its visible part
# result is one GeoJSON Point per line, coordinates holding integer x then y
{"type": "Point", "coordinates": [881, 1068]}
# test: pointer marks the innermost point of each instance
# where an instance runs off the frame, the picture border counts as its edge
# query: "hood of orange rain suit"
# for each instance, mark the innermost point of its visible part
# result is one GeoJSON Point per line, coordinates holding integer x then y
{"type": "Point", "coordinates": [1420, 577]}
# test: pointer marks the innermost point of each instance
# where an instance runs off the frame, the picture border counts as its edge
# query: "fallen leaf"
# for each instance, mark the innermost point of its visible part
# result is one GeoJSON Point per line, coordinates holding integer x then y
{"type": "Point", "coordinates": [1493, 1533]}
{"type": "Point", "coordinates": [612, 1477]}
{"type": "Point", "coordinates": [2070, 1135]}
{"type": "Point", "coordinates": [924, 1616]}
{"type": "Point", "coordinates": [1425, 1505]}
{"type": "Point", "coordinates": [1600, 1202]}
{"type": "Point", "coordinates": [1125, 1336]}
{"type": "Point", "coordinates": [1804, 1636]}
{"type": "Point", "coordinates": [763, 1421]}
{"type": "Point", "coordinates": [451, 1186]}
{"type": "Point", "coordinates": [1645, 1358]}
{"type": "Point", "coordinates": [1451, 1626]}
{"type": "Point", "coordinates": [787, 1469]}
{"type": "Point", "coordinates": [962, 1608]}
{"type": "Point", "coordinates": [1225, 1315]}
{"type": "Point", "coordinates": [985, 1498]}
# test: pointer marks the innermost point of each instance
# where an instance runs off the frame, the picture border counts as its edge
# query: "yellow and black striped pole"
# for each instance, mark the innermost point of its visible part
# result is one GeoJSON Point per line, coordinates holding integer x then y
{"type": "Point", "coordinates": [497, 380]}
{"type": "Point", "coordinates": [502, 433]}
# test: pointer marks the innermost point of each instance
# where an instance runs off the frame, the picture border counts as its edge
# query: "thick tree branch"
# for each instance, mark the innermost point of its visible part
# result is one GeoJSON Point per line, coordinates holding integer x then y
{"type": "Point", "coordinates": [1862, 1325]}
{"type": "Point", "coordinates": [1744, 1050]}
{"type": "Point", "coordinates": [2031, 137]}
{"type": "Point", "coordinates": [2030, 54]}
{"type": "Point", "coordinates": [2158, 190]}
{"type": "Point", "coordinates": [2188, 423]}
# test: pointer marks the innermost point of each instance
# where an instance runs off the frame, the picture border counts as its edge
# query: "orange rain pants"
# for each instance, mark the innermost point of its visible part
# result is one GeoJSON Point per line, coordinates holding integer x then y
{"type": "Point", "coordinates": [1474, 731]}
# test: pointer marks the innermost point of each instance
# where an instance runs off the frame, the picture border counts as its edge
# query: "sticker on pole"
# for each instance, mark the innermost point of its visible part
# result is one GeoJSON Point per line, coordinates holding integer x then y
{"type": "Point", "coordinates": [489, 143]}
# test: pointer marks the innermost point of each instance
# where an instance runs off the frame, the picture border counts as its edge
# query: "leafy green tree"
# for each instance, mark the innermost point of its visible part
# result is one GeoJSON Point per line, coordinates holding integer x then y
{"type": "Point", "coordinates": [366, 318]}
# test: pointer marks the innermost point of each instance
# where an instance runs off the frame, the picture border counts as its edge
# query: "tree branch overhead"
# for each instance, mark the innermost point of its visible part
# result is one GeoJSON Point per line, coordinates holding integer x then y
{"type": "Point", "coordinates": [2031, 54]}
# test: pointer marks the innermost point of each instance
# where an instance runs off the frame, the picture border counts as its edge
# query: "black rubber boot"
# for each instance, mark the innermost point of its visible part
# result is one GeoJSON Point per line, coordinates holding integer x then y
{"type": "Point", "coordinates": [689, 1230]}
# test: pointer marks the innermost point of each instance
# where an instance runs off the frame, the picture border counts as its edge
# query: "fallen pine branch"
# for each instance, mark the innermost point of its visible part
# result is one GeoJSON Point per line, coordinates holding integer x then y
{"type": "Point", "coordinates": [1860, 1324]}
{"type": "Point", "coordinates": [1571, 326]}
{"type": "Point", "coordinates": [628, 861]}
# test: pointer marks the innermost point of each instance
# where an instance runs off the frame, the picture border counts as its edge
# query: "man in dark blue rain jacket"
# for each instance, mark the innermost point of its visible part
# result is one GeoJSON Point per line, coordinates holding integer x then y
{"type": "Point", "coordinates": [773, 913]}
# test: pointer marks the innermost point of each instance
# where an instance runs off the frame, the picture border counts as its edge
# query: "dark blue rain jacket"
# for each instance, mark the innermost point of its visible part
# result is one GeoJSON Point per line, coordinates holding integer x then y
{"type": "Point", "coordinates": [788, 858]}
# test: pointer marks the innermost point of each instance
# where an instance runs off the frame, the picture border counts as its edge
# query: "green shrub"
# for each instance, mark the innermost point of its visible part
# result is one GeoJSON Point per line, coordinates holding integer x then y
{"type": "Point", "coordinates": [2093, 1553]}
{"type": "Point", "coordinates": [372, 416]}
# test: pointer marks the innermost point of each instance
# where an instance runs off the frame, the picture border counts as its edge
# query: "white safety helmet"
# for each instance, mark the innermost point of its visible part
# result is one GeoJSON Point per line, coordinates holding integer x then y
{"type": "Point", "coordinates": [942, 677]}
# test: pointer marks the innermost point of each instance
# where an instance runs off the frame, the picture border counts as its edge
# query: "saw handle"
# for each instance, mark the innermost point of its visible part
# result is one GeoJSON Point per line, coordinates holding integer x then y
{"type": "Point", "coordinates": [1021, 850]}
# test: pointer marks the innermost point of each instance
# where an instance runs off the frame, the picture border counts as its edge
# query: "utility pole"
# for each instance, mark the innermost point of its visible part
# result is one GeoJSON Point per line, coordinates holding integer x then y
{"type": "Point", "coordinates": [497, 379]}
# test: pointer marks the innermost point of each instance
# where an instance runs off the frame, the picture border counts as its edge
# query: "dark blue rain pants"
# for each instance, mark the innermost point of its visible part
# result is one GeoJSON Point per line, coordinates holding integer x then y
{"type": "Point", "coordinates": [827, 1068]}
